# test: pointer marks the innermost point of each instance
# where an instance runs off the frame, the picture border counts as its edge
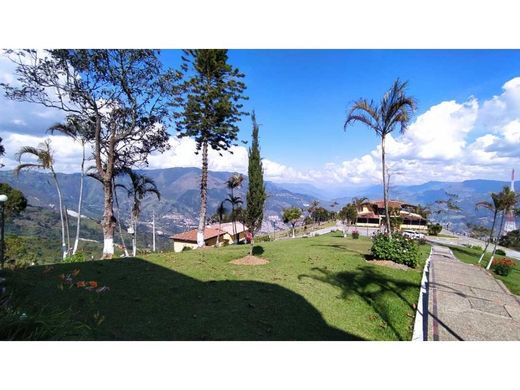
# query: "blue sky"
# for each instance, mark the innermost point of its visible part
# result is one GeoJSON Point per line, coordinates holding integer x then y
{"type": "Point", "coordinates": [301, 96]}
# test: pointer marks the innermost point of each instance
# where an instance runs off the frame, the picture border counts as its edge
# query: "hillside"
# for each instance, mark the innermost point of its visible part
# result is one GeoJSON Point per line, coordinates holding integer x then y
{"type": "Point", "coordinates": [176, 211]}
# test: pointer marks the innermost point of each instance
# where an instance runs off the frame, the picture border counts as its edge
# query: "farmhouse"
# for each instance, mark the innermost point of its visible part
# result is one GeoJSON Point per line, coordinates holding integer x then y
{"type": "Point", "coordinates": [372, 213]}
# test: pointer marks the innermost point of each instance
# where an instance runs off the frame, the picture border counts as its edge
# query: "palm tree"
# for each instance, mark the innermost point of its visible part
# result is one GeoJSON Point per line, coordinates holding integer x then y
{"type": "Point", "coordinates": [234, 201]}
{"type": "Point", "coordinates": [141, 185]}
{"type": "Point", "coordinates": [234, 182]}
{"type": "Point", "coordinates": [495, 207]}
{"type": "Point", "coordinates": [83, 132]}
{"type": "Point", "coordinates": [394, 111]}
{"type": "Point", "coordinates": [44, 160]}
{"type": "Point", "coordinates": [221, 212]}
{"type": "Point", "coordinates": [507, 203]}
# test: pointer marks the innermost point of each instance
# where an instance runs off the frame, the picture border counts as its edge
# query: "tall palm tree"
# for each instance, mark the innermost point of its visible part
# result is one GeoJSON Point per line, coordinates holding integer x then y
{"type": "Point", "coordinates": [140, 186]}
{"type": "Point", "coordinates": [44, 160]}
{"type": "Point", "coordinates": [221, 212]}
{"type": "Point", "coordinates": [495, 207]}
{"type": "Point", "coordinates": [394, 111]}
{"type": "Point", "coordinates": [234, 201]}
{"type": "Point", "coordinates": [234, 182]}
{"type": "Point", "coordinates": [507, 203]}
{"type": "Point", "coordinates": [82, 131]}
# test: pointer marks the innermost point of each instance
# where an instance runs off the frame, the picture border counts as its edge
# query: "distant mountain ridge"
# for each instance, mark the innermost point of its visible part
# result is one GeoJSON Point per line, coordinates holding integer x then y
{"type": "Point", "coordinates": [180, 198]}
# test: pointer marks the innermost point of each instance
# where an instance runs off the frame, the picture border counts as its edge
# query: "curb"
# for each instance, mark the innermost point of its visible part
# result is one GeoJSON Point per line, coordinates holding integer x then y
{"type": "Point", "coordinates": [420, 330]}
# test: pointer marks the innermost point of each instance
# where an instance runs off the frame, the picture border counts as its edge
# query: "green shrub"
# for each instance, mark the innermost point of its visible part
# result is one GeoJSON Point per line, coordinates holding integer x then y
{"type": "Point", "coordinates": [264, 238]}
{"type": "Point", "coordinates": [503, 266]}
{"type": "Point", "coordinates": [355, 234]}
{"type": "Point", "coordinates": [77, 258]}
{"type": "Point", "coordinates": [188, 248]}
{"type": "Point", "coordinates": [434, 230]}
{"type": "Point", "coordinates": [398, 249]}
{"type": "Point", "coordinates": [500, 252]}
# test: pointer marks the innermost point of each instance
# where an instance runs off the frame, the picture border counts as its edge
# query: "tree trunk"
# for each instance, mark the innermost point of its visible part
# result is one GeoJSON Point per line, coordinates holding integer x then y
{"type": "Point", "coordinates": [233, 216]}
{"type": "Point", "coordinates": [219, 226]}
{"type": "Point", "coordinates": [118, 209]}
{"type": "Point", "coordinates": [496, 242]}
{"type": "Point", "coordinates": [203, 196]}
{"type": "Point", "coordinates": [251, 246]}
{"type": "Point", "coordinates": [293, 236]}
{"type": "Point", "coordinates": [60, 202]}
{"type": "Point", "coordinates": [490, 237]}
{"type": "Point", "coordinates": [385, 188]}
{"type": "Point", "coordinates": [134, 239]}
{"type": "Point", "coordinates": [108, 220]}
{"type": "Point", "coordinates": [81, 180]}
{"type": "Point", "coordinates": [67, 225]}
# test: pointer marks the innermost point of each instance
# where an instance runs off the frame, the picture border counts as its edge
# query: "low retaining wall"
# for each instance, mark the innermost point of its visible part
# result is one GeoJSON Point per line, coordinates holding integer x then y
{"type": "Point", "coordinates": [420, 328]}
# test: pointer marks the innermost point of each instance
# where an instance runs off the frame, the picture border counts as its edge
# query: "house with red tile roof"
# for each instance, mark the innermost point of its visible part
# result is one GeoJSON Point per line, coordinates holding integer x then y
{"type": "Point", "coordinates": [189, 239]}
{"type": "Point", "coordinates": [213, 234]}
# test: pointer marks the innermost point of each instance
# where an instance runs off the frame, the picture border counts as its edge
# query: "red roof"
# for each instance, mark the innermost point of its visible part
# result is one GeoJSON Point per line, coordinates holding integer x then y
{"type": "Point", "coordinates": [191, 235]}
{"type": "Point", "coordinates": [391, 203]}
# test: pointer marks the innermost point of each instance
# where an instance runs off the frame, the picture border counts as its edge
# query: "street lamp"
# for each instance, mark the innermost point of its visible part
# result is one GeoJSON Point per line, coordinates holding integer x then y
{"type": "Point", "coordinates": [3, 199]}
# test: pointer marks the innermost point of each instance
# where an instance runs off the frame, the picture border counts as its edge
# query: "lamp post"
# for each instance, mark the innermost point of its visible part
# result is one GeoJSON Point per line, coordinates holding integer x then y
{"type": "Point", "coordinates": [3, 199]}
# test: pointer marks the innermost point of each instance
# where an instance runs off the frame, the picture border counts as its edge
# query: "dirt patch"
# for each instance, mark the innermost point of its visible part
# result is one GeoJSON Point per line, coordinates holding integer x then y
{"type": "Point", "coordinates": [390, 264]}
{"type": "Point", "coordinates": [249, 260]}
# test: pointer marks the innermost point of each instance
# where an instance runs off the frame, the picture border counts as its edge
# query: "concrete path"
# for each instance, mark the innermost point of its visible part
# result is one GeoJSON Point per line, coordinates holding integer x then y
{"type": "Point", "coordinates": [467, 303]}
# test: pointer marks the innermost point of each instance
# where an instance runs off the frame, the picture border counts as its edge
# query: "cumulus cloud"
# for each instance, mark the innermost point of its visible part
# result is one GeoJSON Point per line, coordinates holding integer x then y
{"type": "Point", "coordinates": [450, 141]}
{"type": "Point", "coordinates": [20, 117]}
{"type": "Point", "coordinates": [67, 153]}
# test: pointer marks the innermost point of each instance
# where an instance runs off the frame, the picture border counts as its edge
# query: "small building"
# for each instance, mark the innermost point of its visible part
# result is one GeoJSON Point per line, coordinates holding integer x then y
{"type": "Point", "coordinates": [241, 229]}
{"type": "Point", "coordinates": [372, 213]}
{"type": "Point", "coordinates": [189, 239]}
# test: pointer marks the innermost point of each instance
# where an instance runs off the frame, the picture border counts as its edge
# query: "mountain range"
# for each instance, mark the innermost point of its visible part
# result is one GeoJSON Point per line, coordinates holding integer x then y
{"type": "Point", "coordinates": [179, 205]}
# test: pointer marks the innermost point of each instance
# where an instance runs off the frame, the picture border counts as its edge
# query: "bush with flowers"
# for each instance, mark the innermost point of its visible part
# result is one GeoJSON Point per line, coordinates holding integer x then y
{"type": "Point", "coordinates": [503, 266]}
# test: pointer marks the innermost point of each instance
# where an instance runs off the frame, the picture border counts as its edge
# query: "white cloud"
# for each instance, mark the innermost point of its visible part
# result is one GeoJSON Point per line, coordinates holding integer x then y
{"type": "Point", "coordinates": [449, 141]}
{"type": "Point", "coordinates": [67, 153]}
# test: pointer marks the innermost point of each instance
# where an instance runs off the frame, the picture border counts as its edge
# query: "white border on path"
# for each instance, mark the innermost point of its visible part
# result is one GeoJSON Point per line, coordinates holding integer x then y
{"type": "Point", "coordinates": [421, 315]}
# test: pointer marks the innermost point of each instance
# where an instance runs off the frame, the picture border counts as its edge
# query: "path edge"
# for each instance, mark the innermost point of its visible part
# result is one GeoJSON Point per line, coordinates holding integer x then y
{"type": "Point", "coordinates": [421, 312]}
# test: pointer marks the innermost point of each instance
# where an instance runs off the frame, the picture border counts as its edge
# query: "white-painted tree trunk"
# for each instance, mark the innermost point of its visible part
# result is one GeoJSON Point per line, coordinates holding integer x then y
{"type": "Point", "coordinates": [114, 190]}
{"type": "Point", "coordinates": [108, 247]}
{"type": "Point", "coordinates": [80, 201]}
{"type": "Point", "coordinates": [496, 241]}
{"type": "Point", "coordinates": [134, 239]}
{"type": "Point", "coordinates": [60, 201]}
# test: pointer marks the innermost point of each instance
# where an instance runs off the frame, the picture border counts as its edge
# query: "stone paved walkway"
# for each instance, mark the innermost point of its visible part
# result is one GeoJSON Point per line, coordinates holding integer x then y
{"type": "Point", "coordinates": [467, 303]}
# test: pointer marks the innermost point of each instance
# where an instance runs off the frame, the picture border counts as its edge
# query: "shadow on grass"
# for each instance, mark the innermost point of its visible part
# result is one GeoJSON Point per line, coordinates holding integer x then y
{"type": "Point", "coordinates": [150, 302]}
{"type": "Point", "coordinates": [375, 289]}
{"type": "Point", "coordinates": [342, 247]}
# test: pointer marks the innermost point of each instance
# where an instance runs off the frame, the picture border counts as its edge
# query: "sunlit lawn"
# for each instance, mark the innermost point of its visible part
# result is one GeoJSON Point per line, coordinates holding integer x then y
{"type": "Point", "coordinates": [318, 288]}
{"type": "Point", "coordinates": [471, 256]}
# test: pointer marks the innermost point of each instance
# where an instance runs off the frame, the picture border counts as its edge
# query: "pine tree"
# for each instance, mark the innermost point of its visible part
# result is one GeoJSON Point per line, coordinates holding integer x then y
{"type": "Point", "coordinates": [210, 109]}
{"type": "Point", "coordinates": [256, 192]}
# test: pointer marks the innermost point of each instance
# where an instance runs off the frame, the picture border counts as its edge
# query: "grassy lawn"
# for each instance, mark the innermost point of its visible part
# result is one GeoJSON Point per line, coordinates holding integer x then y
{"type": "Point", "coordinates": [318, 288]}
{"type": "Point", "coordinates": [471, 256]}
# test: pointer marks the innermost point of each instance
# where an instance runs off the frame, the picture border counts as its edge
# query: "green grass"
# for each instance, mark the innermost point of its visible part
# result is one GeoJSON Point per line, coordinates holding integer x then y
{"type": "Point", "coordinates": [471, 256]}
{"type": "Point", "coordinates": [313, 289]}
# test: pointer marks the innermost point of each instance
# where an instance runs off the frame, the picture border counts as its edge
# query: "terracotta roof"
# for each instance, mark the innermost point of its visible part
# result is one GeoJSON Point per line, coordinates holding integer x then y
{"type": "Point", "coordinates": [228, 227]}
{"type": "Point", "coordinates": [191, 235]}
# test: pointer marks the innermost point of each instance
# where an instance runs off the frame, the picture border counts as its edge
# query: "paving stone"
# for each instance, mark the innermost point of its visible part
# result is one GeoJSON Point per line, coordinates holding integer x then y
{"type": "Point", "coordinates": [467, 303]}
